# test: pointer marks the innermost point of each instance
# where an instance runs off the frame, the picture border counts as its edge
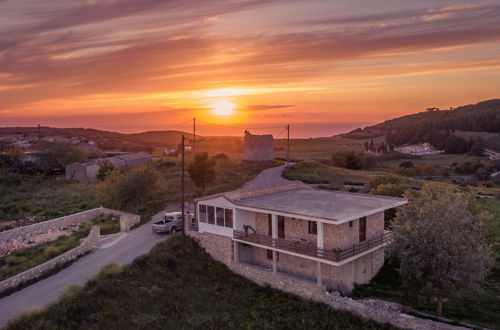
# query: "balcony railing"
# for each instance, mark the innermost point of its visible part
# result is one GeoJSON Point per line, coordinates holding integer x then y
{"type": "Point", "coordinates": [311, 250]}
{"type": "Point", "coordinates": [193, 226]}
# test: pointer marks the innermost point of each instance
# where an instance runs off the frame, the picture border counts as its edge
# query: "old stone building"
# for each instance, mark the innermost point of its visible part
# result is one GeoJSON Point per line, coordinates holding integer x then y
{"type": "Point", "coordinates": [258, 147]}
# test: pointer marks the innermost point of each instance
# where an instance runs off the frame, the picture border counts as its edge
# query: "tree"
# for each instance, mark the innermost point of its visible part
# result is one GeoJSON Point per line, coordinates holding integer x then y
{"type": "Point", "coordinates": [105, 168]}
{"type": "Point", "coordinates": [132, 190]}
{"type": "Point", "coordinates": [202, 170]}
{"type": "Point", "coordinates": [441, 247]}
{"type": "Point", "coordinates": [56, 155]}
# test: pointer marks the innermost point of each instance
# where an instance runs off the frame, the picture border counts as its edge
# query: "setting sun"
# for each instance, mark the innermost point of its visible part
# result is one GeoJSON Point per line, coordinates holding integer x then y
{"type": "Point", "coordinates": [223, 108]}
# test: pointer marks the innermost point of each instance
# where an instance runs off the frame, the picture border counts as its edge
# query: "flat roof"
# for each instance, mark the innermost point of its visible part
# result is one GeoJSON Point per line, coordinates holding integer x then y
{"type": "Point", "coordinates": [323, 204]}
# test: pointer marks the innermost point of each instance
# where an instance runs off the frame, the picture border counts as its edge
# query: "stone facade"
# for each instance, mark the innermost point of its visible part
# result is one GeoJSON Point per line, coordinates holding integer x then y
{"type": "Point", "coordinates": [258, 147]}
{"type": "Point", "coordinates": [88, 244]}
{"type": "Point", "coordinates": [45, 231]}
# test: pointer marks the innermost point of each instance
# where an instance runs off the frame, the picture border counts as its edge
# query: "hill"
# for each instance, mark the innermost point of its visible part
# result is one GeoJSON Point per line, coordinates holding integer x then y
{"type": "Point", "coordinates": [153, 138]}
{"type": "Point", "coordinates": [440, 127]}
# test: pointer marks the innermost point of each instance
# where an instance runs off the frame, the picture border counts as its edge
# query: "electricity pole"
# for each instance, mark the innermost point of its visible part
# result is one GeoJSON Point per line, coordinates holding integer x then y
{"type": "Point", "coordinates": [288, 145]}
{"type": "Point", "coordinates": [182, 181]}
{"type": "Point", "coordinates": [194, 135]}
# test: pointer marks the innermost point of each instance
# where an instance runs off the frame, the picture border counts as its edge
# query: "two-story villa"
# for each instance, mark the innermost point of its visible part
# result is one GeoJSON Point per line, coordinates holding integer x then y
{"type": "Point", "coordinates": [333, 238]}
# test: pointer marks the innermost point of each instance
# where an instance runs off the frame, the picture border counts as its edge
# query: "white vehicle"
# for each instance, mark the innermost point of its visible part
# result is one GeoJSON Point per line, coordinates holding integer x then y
{"type": "Point", "coordinates": [171, 223]}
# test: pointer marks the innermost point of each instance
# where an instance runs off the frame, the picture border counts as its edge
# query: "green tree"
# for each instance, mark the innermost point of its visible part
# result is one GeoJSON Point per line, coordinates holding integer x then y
{"type": "Point", "coordinates": [132, 190]}
{"type": "Point", "coordinates": [105, 168]}
{"type": "Point", "coordinates": [441, 247]}
{"type": "Point", "coordinates": [202, 170]}
{"type": "Point", "coordinates": [382, 179]}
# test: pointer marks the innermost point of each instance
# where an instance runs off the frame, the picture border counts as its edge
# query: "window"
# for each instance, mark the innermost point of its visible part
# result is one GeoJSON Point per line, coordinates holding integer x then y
{"type": "Point", "coordinates": [220, 216]}
{"type": "Point", "coordinates": [350, 224]}
{"type": "Point", "coordinates": [211, 214]}
{"type": "Point", "coordinates": [281, 226]}
{"type": "Point", "coordinates": [362, 229]}
{"type": "Point", "coordinates": [229, 218]}
{"type": "Point", "coordinates": [203, 213]}
{"type": "Point", "coordinates": [312, 227]}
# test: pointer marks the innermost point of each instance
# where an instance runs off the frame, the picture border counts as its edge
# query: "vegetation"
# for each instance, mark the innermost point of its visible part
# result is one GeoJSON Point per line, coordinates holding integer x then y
{"type": "Point", "coordinates": [178, 286]}
{"type": "Point", "coordinates": [25, 259]}
{"type": "Point", "coordinates": [133, 189]}
{"type": "Point", "coordinates": [202, 171]}
{"type": "Point", "coordinates": [43, 197]}
{"type": "Point", "coordinates": [438, 127]}
{"type": "Point", "coordinates": [352, 160]}
{"type": "Point", "coordinates": [106, 167]}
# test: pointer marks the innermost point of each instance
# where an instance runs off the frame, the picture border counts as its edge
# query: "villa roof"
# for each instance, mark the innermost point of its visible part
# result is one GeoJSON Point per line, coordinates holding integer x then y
{"type": "Point", "coordinates": [303, 201]}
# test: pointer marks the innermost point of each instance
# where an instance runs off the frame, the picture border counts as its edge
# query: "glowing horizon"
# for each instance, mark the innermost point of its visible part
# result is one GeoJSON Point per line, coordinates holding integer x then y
{"type": "Point", "coordinates": [127, 65]}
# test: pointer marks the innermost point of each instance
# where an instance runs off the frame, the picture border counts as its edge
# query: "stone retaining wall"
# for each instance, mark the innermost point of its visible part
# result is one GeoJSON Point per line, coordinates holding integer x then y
{"type": "Point", "coordinates": [220, 248]}
{"type": "Point", "coordinates": [10, 240]}
{"type": "Point", "coordinates": [89, 243]}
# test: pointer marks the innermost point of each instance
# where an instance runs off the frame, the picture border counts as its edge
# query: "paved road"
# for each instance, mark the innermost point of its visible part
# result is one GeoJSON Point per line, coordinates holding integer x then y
{"type": "Point", "coordinates": [120, 248]}
{"type": "Point", "coordinates": [266, 178]}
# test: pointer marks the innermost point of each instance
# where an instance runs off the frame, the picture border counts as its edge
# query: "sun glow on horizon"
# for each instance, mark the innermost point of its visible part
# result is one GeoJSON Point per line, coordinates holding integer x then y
{"type": "Point", "coordinates": [223, 108]}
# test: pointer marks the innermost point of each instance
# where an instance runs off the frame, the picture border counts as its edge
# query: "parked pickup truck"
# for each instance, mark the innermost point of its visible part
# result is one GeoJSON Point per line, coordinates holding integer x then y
{"type": "Point", "coordinates": [171, 223]}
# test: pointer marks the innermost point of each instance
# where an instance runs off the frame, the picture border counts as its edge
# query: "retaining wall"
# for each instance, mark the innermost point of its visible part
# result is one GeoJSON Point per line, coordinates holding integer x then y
{"type": "Point", "coordinates": [89, 243]}
{"type": "Point", "coordinates": [10, 239]}
{"type": "Point", "coordinates": [221, 249]}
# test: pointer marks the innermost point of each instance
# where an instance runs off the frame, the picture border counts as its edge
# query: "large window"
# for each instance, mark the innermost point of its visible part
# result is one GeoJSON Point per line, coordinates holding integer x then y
{"type": "Point", "coordinates": [229, 218]}
{"type": "Point", "coordinates": [211, 214]}
{"type": "Point", "coordinates": [220, 216]}
{"type": "Point", "coordinates": [203, 213]}
{"type": "Point", "coordinates": [312, 227]}
{"type": "Point", "coordinates": [216, 216]}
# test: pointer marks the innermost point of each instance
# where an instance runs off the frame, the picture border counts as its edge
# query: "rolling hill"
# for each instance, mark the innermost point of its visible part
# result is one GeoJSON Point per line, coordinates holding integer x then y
{"type": "Point", "coordinates": [443, 128]}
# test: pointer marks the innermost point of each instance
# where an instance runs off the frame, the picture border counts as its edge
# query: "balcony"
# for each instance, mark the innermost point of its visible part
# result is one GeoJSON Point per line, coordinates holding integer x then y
{"type": "Point", "coordinates": [313, 251]}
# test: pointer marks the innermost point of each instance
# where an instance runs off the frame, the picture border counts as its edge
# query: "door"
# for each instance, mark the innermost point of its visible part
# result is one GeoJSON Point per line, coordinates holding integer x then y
{"type": "Point", "coordinates": [362, 229]}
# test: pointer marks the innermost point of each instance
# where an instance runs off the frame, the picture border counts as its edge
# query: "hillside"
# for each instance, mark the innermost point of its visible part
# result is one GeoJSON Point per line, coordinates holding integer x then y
{"type": "Point", "coordinates": [153, 138]}
{"type": "Point", "coordinates": [439, 127]}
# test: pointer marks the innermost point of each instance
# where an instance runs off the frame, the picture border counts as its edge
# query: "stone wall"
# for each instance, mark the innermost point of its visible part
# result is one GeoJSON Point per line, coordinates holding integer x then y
{"type": "Point", "coordinates": [375, 225]}
{"type": "Point", "coordinates": [88, 244]}
{"type": "Point", "coordinates": [45, 231]}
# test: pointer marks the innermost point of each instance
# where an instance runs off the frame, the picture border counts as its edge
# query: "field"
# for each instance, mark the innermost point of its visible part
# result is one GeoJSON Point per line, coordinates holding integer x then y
{"type": "Point", "coordinates": [178, 286]}
{"type": "Point", "coordinates": [43, 197]}
{"type": "Point", "coordinates": [25, 259]}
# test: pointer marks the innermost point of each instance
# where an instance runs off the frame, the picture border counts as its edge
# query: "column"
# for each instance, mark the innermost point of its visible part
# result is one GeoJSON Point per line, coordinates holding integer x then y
{"type": "Point", "coordinates": [236, 252]}
{"type": "Point", "coordinates": [320, 245]}
{"type": "Point", "coordinates": [274, 228]}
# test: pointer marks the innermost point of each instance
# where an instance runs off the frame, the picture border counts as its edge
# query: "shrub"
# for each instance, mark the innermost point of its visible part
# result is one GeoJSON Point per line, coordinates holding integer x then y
{"type": "Point", "coordinates": [382, 179]}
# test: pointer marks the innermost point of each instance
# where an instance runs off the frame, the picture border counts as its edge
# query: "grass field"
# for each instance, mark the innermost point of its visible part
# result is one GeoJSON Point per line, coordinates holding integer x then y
{"type": "Point", "coordinates": [22, 260]}
{"type": "Point", "coordinates": [178, 286]}
{"type": "Point", "coordinates": [44, 197]}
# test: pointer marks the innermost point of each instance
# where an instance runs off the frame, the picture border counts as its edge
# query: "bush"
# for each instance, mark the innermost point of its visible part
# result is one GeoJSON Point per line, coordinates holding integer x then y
{"type": "Point", "coordinates": [352, 160]}
{"type": "Point", "coordinates": [389, 189]}
{"type": "Point", "coordinates": [383, 179]}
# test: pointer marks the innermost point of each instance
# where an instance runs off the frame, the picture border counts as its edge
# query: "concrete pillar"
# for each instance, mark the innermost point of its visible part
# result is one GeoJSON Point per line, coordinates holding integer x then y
{"type": "Point", "coordinates": [321, 237]}
{"type": "Point", "coordinates": [236, 252]}
{"type": "Point", "coordinates": [319, 275]}
{"type": "Point", "coordinates": [274, 226]}
{"type": "Point", "coordinates": [275, 262]}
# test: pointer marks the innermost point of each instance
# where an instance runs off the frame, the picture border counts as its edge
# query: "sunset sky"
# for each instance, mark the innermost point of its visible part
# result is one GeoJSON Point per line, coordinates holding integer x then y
{"type": "Point", "coordinates": [135, 65]}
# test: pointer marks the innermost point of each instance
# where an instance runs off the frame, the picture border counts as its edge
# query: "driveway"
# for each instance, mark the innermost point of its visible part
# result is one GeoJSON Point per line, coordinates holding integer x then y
{"type": "Point", "coordinates": [266, 178]}
{"type": "Point", "coordinates": [121, 248]}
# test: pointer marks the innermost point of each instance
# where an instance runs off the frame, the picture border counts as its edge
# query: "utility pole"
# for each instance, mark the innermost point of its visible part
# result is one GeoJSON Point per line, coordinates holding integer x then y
{"type": "Point", "coordinates": [194, 135]}
{"type": "Point", "coordinates": [288, 145]}
{"type": "Point", "coordinates": [39, 132]}
{"type": "Point", "coordinates": [182, 181]}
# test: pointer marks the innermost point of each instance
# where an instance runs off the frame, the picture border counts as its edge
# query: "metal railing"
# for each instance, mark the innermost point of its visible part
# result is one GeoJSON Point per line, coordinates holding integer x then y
{"type": "Point", "coordinates": [312, 250]}
{"type": "Point", "coordinates": [193, 226]}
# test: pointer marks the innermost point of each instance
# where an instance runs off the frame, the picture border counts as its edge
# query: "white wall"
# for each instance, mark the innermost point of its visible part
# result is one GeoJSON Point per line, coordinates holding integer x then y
{"type": "Point", "coordinates": [244, 217]}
